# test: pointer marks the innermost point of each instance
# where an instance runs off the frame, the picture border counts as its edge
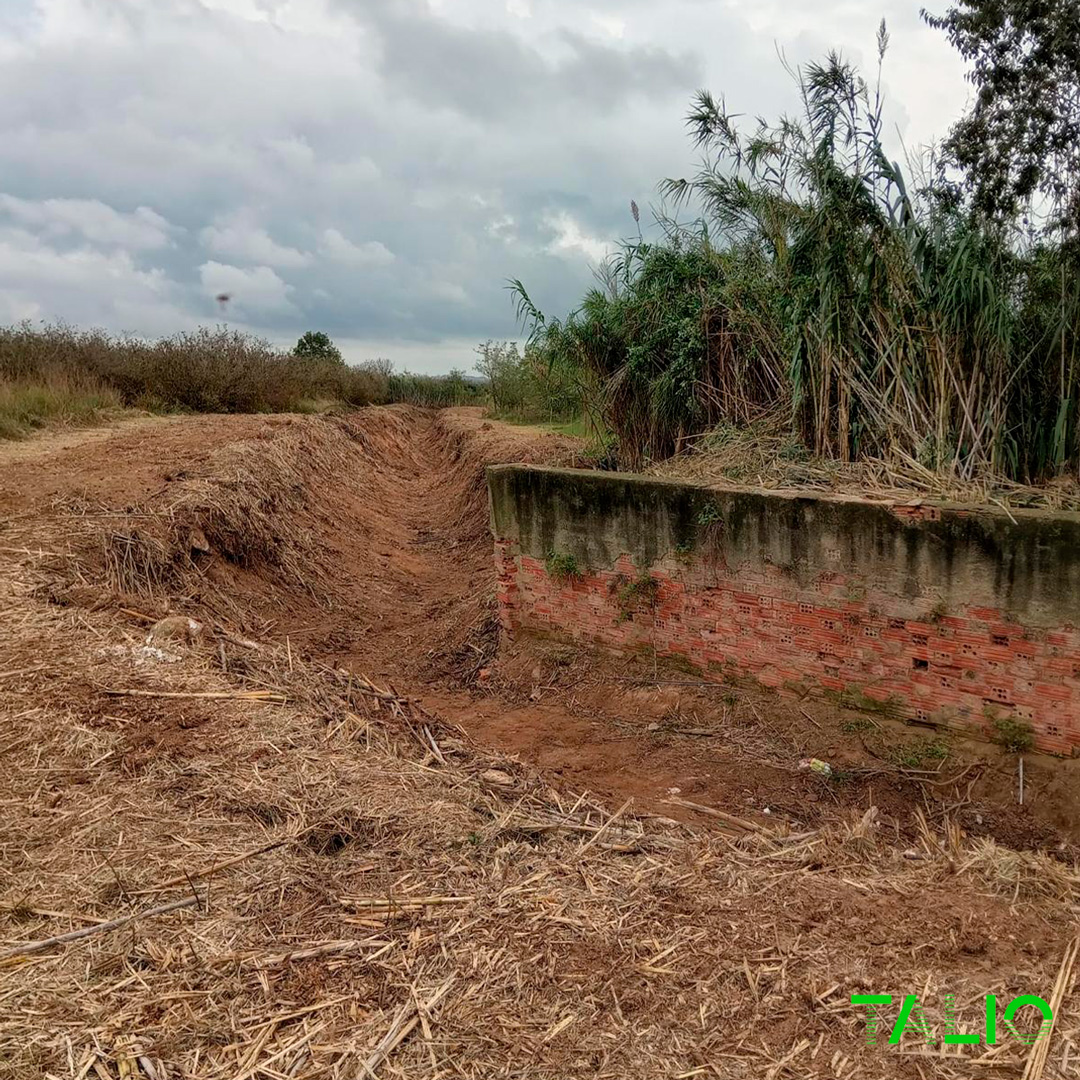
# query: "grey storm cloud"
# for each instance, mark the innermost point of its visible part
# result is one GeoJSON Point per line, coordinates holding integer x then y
{"type": "Point", "coordinates": [375, 169]}
{"type": "Point", "coordinates": [491, 73]}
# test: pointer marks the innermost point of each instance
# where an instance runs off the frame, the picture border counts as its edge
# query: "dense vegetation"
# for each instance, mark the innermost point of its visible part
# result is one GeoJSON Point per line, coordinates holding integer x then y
{"type": "Point", "coordinates": [58, 374]}
{"type": "Point", "coordinates": [525, 387]}
{"type": "Point", "coordinates": [824, 292]}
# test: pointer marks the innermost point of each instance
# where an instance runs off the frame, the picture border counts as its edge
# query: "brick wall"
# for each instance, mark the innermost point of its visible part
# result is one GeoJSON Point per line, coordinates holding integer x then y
{"type": "Point", "coordinates": [943, 615]}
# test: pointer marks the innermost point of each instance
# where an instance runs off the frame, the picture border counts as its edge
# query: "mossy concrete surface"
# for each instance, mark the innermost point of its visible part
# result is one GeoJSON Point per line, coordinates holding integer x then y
{"type": "Point", "coordinates": [1025, 565]}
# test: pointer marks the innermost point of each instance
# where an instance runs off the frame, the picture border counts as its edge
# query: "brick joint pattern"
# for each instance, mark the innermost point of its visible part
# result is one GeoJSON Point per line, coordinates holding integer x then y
{"type": "Point", "coordinates": [961, 669]}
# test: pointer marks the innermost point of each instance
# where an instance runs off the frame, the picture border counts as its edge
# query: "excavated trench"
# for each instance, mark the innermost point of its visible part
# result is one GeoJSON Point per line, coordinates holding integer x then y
{"type": "Point", "coordinates": [230, 865]}
{"type": "Point", "coordinates": [416, 584]}
{"type": "Point", "coordinates": [363, 543]}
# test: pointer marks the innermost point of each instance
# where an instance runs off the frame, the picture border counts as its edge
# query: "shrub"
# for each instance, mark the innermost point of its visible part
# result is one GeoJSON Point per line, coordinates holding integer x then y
{"type": "Point", "coordinates": [826, 294]}
{"type": "Point", "coordinates": [561, 566]}
{"type": "Point", "coordinates": [58, 373]}
{"type": "Point", "coordinates": [315, 345]}
{"type": "Point", "coordinates": [526, 387]}
{"type": "Point", "coordinates": [1013, 736]}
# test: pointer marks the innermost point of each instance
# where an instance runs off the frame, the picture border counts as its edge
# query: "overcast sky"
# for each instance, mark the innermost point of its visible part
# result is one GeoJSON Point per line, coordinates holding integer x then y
{"type": "Point", "coordinates": [377, 168]}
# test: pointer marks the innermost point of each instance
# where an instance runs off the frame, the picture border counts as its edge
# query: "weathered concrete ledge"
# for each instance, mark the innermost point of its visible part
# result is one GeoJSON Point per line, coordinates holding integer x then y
{"type": "Point", "coordinates": [965, 614]}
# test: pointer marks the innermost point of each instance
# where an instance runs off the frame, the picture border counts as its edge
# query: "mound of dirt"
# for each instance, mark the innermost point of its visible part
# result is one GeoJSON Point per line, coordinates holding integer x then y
{"type": "Point", "coordinates": [340, 533]}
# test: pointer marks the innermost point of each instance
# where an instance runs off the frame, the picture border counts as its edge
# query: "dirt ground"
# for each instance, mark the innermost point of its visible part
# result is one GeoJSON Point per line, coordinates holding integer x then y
{"type": "Point", "coordinates": [408, 848]}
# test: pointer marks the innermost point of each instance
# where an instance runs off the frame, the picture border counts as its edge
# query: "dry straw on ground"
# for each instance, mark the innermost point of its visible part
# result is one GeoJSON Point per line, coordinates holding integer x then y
{"type": "Point", "coordinates": [360, 892]}
{"type": "Point", "coordinates": [765, 456]}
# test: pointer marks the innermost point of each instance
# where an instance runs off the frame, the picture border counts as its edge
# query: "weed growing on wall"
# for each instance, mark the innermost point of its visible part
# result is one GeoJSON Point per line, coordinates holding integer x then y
{"type": "Point", "coordinates": [1013, 736]}
{"type": "Point", "coordinates": [637, 595]}
{"type": "Point", "coordinates": [561, 566]}
{"type": "Point", "coordinates": [710, 524]}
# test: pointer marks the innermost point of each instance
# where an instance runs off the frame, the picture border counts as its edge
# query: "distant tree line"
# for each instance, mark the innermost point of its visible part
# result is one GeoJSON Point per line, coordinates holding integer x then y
{"type": "Point", "coordinates": [57, 373]}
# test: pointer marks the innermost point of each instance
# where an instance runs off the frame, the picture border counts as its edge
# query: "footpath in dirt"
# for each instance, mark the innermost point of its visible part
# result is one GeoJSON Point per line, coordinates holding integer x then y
{"type": "Point", "coordinates": [354, 831]}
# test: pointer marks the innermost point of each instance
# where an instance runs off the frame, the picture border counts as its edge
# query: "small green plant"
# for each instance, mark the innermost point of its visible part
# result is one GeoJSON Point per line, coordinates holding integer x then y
{"type": "Point", "coordinates": [684, 550]}
{"type": "Point", "coordinates": [1012, 735]}
{"type": "Point", "coordinates": [601, 453]}
{"type": "Point", "coordinates": [792, 449]}
{"type": "Point", "coordinates": [893, 706]}
{"type": "Point", "coordinates": [915, 754]}
{"type": "Point", "coordinates": [636, 594]}
{"type": "Point", "coordinates": [561, 566]}
{"type": "Point", "coordinates": [851, 727]}
{"type": "Point", "coordinates": [938, 612]}
{"type": "Point", "coordinates": [936, 750]}
{"type": "Point", "coordinates": [907, 757]}
{"type": "Point", "coordinates": [710, 522]}
{"type": "Point", "coordinates": [678, 662]}
{"type": "Point", "coordinates": [708, 515]}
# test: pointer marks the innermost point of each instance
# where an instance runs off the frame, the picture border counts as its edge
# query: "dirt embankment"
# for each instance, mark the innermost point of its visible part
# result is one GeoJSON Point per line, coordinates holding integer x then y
{"type": "Point", "coordinates": [369, 883]}
{"type": "Point", "coordinates": [363, 543]}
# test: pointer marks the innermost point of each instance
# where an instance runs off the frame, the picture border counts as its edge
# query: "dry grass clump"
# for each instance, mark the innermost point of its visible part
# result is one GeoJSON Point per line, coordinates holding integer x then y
{"type": "Point", "coordinates": [247, 504]}
{"type": "Point", "coordinates": [1023, 875]}
{"type": "Point", "coordinates": [343, 886]}
{"type": "Point", "coordinates": [764, 455]}
{"type": "Point", "coordinates": [57, 397]}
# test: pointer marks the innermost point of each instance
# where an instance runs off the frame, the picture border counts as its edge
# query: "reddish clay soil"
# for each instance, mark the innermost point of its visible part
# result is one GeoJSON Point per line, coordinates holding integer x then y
{"type": "Point", "coordinates": [252, 782]}
{"type": "Point", "coordinates": [405, 597]}
{"type": "Point", "coordinates": [123, 463]}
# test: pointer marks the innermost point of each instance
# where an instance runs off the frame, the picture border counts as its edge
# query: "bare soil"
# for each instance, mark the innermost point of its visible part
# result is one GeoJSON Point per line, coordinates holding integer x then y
{"type": "Point", "coordinates": [350, 572]}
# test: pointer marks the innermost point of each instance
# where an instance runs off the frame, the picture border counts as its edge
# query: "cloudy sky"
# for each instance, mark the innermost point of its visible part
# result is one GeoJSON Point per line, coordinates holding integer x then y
{"type": "Point", "coordinates": [377, 168]}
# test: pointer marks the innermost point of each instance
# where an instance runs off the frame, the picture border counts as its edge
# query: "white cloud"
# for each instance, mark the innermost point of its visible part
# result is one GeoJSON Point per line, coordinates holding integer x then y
{"type": "Point", "coordinates": [92, 220]}
{"type": "Point", "coordinates": [370, 253]}
{"type": "Point", "coordinates": [85, 287]}
{"type": "Point", "coordinates": [433, 149]}
{"type": "Point", "coordinates": [358, 172]}
{"type": "Point", "coordinates": [256, 290]}
{"type": "Point", "coordinates": [503, 228]}
{"type": "Point", "coordinates": [450, 291]}
{"type": "Point", "coordinates": [239, 240]}
{"type": "Point", "coordinates": [612, 25]}
{"type": "Point", "coordinates": [293, 151]}
{"type": "Point", "coordinates": [572, 241]}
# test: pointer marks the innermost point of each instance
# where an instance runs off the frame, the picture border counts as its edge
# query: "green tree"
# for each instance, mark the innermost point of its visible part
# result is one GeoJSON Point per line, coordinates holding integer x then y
{"type": "Point", "coordinates": [1021, 137]}
{"type": "Point", "coordinates": [500, 363]}
{"type": "Point", "coordinates": [315, 345]}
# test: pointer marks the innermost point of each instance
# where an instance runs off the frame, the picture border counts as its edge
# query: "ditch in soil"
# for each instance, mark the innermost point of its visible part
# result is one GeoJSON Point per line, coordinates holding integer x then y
{"type": "Point", "coordinates": [309, 547]}
{"type": "Point", "coordinates": [392, 578]}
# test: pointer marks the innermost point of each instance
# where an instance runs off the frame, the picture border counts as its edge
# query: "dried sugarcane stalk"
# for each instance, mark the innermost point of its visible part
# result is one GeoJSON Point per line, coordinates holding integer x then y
{"type": "Point", "coordinates": [31, 947]}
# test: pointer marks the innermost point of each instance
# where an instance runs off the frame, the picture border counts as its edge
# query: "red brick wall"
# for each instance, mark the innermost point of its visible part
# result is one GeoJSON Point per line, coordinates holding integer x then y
{"type": "Point", "coordinates": [958, 668]}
